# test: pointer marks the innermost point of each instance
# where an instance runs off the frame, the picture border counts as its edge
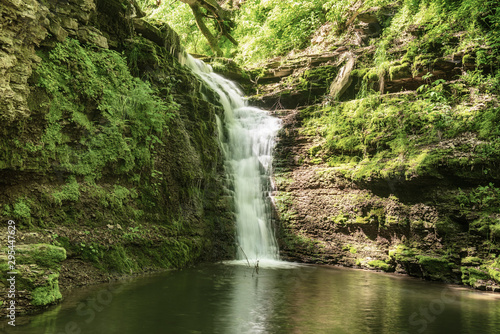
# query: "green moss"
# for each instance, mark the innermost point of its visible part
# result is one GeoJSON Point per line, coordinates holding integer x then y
{"type": "Point", "coordinates": [316, 161]}
{"type": "Point", "coordinates": [116, 259]}
{"type": "Point", "coordinates": [282, 180]}
{"type": "Point", "coordinates": [319, 77]}
{"type": "Point", "coordinates": [350, 248]}
{"type": "Point", "coordinates": [471, 261]}
{"type": "Point", "coordinates": [117, 118]}
{"type": "Point", "coordinates": [362, 220]}
{"type": "Point", "coordinates": [436, 268]}
{"type": "Point", "coordinates": [370, 137]}
{"type": "Point", "coordinates": [382, 265]}
{"type": "Point", "coordinates": [471, 275]}
{"type": "Point", "coordinates": [20, 211]}
{"type": "Point", "coordinates": [403, 253]}
{"type": "Point", "coordinates": [45, 255]}
{"type": "Point", "coordinates": [47, 294]}
{"type": "Point", "coordinates": [298, 242]}
{"type": "Point", "coordinates": [371, 76]}
{"type": "Point", "coordinates": [341, 219]}
{"type": "Point", "coordinates": [493, 269]}
{"type": "Point", "coordinates": [138, 252]}
{"type": "Point", "coordinates": [396, 69]}
{"type": "Point", "coordinates": [314, 150]}
{"type": "Point", "coordinates": [484, 202]}
{"type": "Point", "coordinates": [69, 192]}
{"type": "Point", "coordinates": [359, 72]}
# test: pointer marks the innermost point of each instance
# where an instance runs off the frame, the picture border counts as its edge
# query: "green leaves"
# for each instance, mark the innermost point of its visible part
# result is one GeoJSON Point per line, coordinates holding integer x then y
{"type": "Point", "coordinates": [119, 118]}
{"type": "Point", "coordinates": [271, 28]}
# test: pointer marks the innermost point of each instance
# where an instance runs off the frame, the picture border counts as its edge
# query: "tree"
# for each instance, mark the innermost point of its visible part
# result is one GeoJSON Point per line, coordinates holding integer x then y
{"type": "Point", "coordinates": [212, 10]}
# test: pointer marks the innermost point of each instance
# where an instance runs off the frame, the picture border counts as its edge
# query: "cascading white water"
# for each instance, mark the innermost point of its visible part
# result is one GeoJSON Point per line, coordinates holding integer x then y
{"type": "Point", "coordinates": [247, 149]}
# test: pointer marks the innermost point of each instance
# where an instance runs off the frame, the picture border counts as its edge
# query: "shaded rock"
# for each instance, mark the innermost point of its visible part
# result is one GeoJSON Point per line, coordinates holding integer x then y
{"type": "Point", "coordinates": [69, 23]}
{"type": "Point", "coordinates": [59, 33]}
{"type": "Point", "coordinates": [162, 35]}
{"type": "Point", "coordinates": [92, 36]}
{"type": "Point", "coordinates": [22, 23]}
{"type": "Point", "coordinates": [343, 80]}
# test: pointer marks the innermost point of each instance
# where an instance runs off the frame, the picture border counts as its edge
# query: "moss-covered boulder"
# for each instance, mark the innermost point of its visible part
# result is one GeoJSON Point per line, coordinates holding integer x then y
{"type": "Point", "coordinates": [37, 268]}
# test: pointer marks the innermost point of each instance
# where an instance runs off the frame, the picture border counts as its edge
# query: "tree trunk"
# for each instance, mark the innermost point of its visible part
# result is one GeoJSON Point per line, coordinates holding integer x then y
{"type": "Point", "coordinates": [212, 41]}
{"type": "Point", "coordinates": [221, 15]}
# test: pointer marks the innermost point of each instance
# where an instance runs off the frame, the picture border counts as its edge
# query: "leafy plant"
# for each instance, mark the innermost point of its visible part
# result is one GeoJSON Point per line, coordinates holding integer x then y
{"type": "Point", "coordinates": [274, 27]}
{"type": "Point", "coordinates": [69, 192]}
{"type": "Point", "coordinates": [485, 200]}
{"type": "Point", "coordinates": [134, 233]}
{"type": "Point", "coordinates": [119, 118]}
{"type": "Point", "coordinates": [434, 91]}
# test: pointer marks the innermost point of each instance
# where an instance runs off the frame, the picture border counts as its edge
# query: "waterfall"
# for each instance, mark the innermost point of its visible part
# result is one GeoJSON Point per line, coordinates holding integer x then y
{"type": "Point", "coordinates": [247, 142]}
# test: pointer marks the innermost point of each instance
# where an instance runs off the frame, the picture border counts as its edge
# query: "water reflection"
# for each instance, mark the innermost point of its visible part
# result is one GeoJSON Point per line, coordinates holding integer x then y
{"type": "Point", "coordinates": [234, 298]}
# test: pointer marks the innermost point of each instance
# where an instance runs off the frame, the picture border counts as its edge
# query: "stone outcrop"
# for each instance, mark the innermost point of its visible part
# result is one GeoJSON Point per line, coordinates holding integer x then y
{"type": "Point", "coordinates": [168, 208]}
{"type": "Point", "coordinates": [280, 83]}
{"type": "Point", "coordinates": [22, 23]}
{"type": "Point", "coordinates": [419, 223]}
{"type": "Point", "coordinates": [37, 274]}
{"type": "Point", "coordinates": [324, 217]}
{"type": "Point", "coordinates": [343, 79]}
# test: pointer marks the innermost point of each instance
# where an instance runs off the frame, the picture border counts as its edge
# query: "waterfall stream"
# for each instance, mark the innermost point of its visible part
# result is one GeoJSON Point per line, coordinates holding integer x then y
{"type": "Point", "coordinates": [247, 142]}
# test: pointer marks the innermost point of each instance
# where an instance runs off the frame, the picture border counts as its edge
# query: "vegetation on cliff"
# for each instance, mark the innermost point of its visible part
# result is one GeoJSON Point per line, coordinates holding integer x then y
{"type": "Point", "coordinates": [403, 156]}
{"type": "Point", "coordinates": [396, 132]}
{"type": "Point", "coordinates": [271, 28]}
{"type": "Point", "coordinates": [114, 167]}
{"type": "Point", "coordinates": [389, 159]}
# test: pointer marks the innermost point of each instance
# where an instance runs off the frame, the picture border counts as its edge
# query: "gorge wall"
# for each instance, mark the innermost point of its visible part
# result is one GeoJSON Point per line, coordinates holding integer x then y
{"type": "Point", "coordinates": [109, 157]}
{"type": "Point", "coordinates": [388, 158]}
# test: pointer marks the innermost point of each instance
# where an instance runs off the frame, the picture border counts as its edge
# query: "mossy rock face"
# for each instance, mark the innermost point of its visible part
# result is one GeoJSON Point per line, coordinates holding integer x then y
{"type": "Point", "coordinates": [116, 131]}
{"type": "Point", "coordinates": [471, 261]}
{"type": "Point", "coordinates": [437, 268]}
{"type": "Point", "coordinates": [37, 268]}
{"type": "Point", "coordinates": [91, 161]}
{"type": "Point", "coordinates": [473, 276]}
{"type": "Point", "coordinates": [382, 265]}
{"type": "Point", "coordinates": [43, 255]}
{"type": "Point", "coordinates": [48, 293]}
{"type": "Point", "coordinates": [428, 266]}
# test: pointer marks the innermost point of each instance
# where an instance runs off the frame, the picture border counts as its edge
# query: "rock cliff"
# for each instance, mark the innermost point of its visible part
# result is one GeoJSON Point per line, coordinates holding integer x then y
{"type": "Point", "coordinates": [388, 165]}
{"type": "Point", "coordinates": [109, 158]}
